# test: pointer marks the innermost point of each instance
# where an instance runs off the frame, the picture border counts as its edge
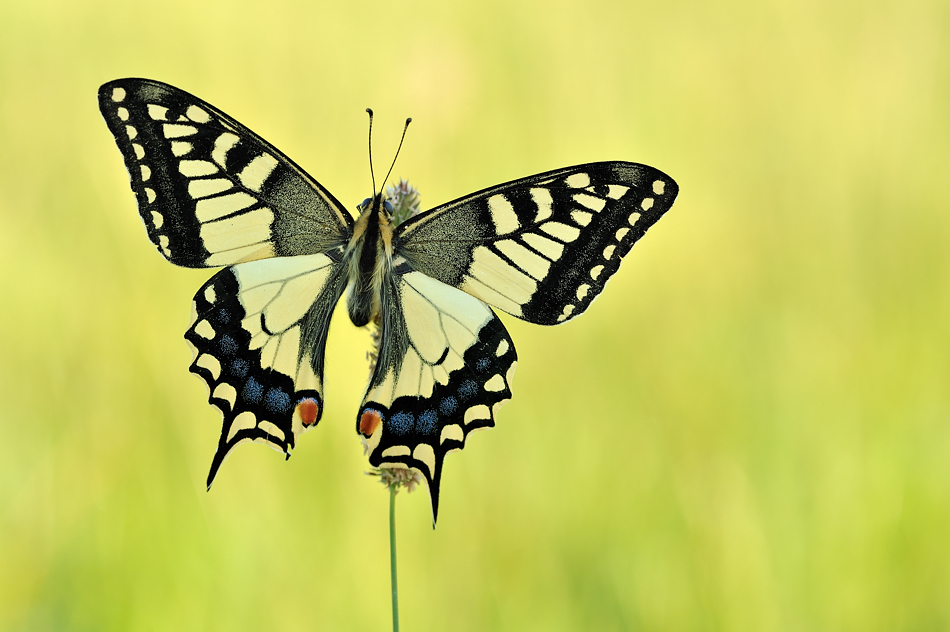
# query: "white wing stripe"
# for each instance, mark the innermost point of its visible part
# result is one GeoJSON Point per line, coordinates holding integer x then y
{"type": "Point", "coordinates": [286, 308]}
{"type": "Point", "coordinates": [495, 272]}
{"type": "Point", "coordinates": [174, 130]}
{"type": "Point", "coordinates": [535, 265]}
{"type": "Point", "coordinates": [208, 187]}
{"type": "Point", "coordinates": [240, 255]}
{"type": "Point", "coordinates": [424, 325]}
{"type": "Point", "coordinates": [196, 168]}
{"type": "Point", "coordinates": [272, 270]}
{"type": "Point", "coordinates": [616, 191]}
{"type": "Point", "coordinates": [577, 180]}
{"type": "Point", "coordinates": [157, 112]}
{"type": "Point", "coordinates": [503, 214]}
{"type": "Point", "coordinates": [562, 231]}
{"type": "Point", "coordinates": [582, 218]}
{"type": "Point", "coordinates": [197, 115]}
{"type": "Point", "coordinates": [241, 230]}
{"type": "Point", "coordinates": [593, 203]}
{"type": "Point", "coordinates": [257, 171]}
{"type": "Point", "coordinates": [547, 247]}
{"type": "Point", "coordinates": [222, 145]}
{"type": "Point", "coordinates": [181, 148]}
{"type": "Point", "coordinates": [542, 198]}
{"type": "Point", "coordinates": [476, 288]}
{"type": "Point", "coordinates": [210, 209]}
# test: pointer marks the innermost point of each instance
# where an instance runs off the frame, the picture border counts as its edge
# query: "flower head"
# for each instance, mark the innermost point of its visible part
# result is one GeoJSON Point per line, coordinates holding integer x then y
{"type": "Point", "coordinates": [397, 477]}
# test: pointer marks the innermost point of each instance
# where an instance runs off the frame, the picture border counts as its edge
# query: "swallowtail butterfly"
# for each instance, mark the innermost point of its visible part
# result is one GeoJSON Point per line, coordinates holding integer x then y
{"type": "Point", "coordinates": [212, 193]}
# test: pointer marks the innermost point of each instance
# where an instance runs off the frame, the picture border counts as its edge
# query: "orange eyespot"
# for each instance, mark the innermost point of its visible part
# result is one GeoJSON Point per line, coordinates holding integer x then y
{"type": "Point", "coordinates": [369, 421]}
{"type": "Point", "coordinates": [308, 409]}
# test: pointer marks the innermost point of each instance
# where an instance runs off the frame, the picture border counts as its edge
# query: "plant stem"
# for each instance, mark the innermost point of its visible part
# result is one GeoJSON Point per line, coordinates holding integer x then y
{"type": "Point", "coordinates": [392, 554]}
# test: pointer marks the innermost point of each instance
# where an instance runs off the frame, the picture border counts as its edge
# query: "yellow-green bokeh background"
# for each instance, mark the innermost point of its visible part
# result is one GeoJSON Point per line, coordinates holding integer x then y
{"type": "Point", "coordinates": [749, 430]}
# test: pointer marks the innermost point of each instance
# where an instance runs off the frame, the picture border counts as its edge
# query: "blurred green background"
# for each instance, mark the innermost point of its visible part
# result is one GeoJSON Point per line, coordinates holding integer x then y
{"type": "Point", "coordinates": [747, 431]}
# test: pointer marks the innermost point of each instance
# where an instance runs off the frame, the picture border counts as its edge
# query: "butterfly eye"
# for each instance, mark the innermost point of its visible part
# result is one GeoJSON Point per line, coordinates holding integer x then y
{"type": "Point", "coordinates": [364, 204]}
{"type": "Point", "coordinates": [388, 207]}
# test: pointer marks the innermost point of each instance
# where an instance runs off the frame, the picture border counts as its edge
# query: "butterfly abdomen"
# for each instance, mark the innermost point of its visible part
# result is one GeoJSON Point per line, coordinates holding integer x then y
{"type": "Point", "coordinates": [369, 264]}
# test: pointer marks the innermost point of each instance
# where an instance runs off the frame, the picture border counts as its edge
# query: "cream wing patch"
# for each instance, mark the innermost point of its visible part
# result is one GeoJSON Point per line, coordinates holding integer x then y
{"type": "Point", "coordinates": [441, 322]}
{"type": "Point", "coordinates": [276, 295]}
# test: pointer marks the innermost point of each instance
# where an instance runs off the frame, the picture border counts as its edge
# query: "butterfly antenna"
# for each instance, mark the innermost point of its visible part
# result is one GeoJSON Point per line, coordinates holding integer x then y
{"type": "Point", "coordinates": [404, 129]}
{"type": "Point", "coordinates": [372, 177]}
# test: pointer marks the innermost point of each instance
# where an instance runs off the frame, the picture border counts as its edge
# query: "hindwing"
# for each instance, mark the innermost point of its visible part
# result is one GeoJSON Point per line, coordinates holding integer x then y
{"type": "Point", "coordinates": [210, 191]}
{"type": "Point", "coordinates": [540, 248]}
{"type": "Point", "coordinates": [444, 369]}
{"type": "Point", "coordinates": [259, 335]}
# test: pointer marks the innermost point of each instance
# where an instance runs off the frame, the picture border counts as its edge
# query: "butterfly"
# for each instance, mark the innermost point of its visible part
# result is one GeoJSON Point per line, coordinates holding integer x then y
{"type": "Point", "coordinates": [212, 193]}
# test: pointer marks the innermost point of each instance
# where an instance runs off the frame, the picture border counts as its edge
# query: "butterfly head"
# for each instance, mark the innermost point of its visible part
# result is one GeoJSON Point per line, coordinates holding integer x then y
{"type": "Point", "coordinates": [374, 202]}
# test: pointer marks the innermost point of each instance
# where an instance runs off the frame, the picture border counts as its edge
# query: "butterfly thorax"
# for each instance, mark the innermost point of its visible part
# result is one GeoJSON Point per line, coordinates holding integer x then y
{"type": "Point", "coordinates": [369, 260]}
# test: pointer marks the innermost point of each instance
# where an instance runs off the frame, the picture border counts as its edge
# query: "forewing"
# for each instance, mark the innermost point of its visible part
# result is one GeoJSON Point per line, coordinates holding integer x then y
{"type": "Point", "coordinates": [543, 247]}
{"type": "Point", "coordinates": [259, 335]}
{"type": "Point", "coordinates": [210, 191]}
{"type": "Point", "coordinates": [444, 369]}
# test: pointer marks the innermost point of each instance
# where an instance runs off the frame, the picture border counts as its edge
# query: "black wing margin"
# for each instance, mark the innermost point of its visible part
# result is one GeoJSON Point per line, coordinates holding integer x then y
{"type": "Point", "coordinates": [540, 248]}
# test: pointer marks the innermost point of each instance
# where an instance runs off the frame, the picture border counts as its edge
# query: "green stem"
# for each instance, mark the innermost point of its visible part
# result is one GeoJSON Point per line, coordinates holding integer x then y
{"type": "Point", "coordinates": [392, 554]}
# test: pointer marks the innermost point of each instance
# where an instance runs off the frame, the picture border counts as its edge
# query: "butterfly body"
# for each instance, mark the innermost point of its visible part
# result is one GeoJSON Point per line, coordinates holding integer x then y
{"type": "Point", "coordinates": [214, 194]}
{"type": "Point", "coordinates": [370, 261]}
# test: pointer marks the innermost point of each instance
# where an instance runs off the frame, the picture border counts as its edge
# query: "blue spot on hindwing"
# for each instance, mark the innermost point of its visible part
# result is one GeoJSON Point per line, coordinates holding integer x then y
{"type": "Point", "coordinates": [428, 422]}
{"type": "Point", "coordinates": [482, 365]}
{"type": "Point", "coordinates": [277, 401]}
{"type": "Point", "coordinates": [448, 406]}
{"type": "Point", "coordinates": [227, 345]}
{"type": "Point", "coordinates": [223, 316]}
{"type": "Point", "coordinates": [239, 368]}
{"type": "Point", "coordinates": [401, 423]}
{"type": "Point", "coordinates": [468, 390]}
{"type": "Point", "coordinates": [253, 391]}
